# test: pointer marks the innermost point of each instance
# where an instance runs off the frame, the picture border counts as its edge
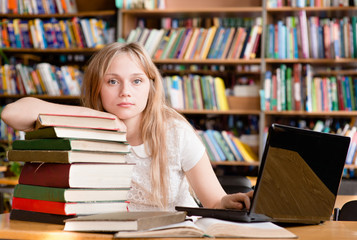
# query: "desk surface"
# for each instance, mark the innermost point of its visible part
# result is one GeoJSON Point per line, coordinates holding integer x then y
{"type": "Point", "coordinates": [11, 229]}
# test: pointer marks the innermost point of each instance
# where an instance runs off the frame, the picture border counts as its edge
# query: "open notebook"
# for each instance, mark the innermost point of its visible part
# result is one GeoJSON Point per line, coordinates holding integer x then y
{"type": "Point", "coordinates": [298, 179]}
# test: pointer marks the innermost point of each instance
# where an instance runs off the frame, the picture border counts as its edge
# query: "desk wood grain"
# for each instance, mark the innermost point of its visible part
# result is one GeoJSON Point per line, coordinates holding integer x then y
{"type": "Point", "coordinates": [11, 229]}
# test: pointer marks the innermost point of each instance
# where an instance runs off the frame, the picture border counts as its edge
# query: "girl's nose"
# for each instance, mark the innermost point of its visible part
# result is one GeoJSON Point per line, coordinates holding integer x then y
{"type": "Point", "coordinates": [124, 90]}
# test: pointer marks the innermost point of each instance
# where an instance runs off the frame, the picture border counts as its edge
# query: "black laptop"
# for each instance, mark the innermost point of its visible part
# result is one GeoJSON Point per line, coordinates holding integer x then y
{"type": "Point", "coordinates": [298, 180]}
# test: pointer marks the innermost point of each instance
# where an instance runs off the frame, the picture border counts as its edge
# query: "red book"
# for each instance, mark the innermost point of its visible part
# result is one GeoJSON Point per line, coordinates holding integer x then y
{"type": "Point", "coordinates": [73, 208]}
{"type": "Point", "coordinates": [77, 32]}
{"type": "Point", "coordinates": [256, 43]}
{"type": "Point", "coordinates": [341, 105]}
{"type": "Point", "coordinates": [81, 175]}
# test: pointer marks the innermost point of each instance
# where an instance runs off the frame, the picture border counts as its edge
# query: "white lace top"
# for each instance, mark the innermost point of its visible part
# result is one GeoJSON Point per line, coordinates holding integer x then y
{"type": "Point", "coordinates": [184, 151]}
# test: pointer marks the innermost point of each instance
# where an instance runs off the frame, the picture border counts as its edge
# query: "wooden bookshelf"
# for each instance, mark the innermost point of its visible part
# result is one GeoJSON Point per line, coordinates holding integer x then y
{"type": "Point", "coordinates": [103, 13]}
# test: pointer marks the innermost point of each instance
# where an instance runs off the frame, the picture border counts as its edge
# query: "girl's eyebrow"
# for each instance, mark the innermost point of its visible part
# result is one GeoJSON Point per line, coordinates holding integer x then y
{"type": "Point", "coordinates": [134, 74]}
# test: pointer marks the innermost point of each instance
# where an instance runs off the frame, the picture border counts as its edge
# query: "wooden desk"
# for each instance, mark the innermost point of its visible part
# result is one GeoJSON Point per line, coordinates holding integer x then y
{"type": "Point", "coordinates": [11, 229]}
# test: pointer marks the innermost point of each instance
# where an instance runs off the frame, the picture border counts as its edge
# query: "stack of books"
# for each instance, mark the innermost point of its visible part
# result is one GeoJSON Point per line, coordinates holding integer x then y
{"type": "Point", "coordinates": [74, 166]}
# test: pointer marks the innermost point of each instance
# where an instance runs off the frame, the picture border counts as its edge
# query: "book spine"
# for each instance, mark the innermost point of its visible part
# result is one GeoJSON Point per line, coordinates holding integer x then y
{"type": "Point", "coordinates": [39, 206]}
{"type": "Point", "coordinates": [47, 175]}
{"type": "Point", "coordinates": [39, 193]}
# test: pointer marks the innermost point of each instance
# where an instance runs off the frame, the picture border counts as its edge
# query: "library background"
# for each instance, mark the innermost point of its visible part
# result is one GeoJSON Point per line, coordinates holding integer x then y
{"type": "Point", "coordinates": [230, 67]}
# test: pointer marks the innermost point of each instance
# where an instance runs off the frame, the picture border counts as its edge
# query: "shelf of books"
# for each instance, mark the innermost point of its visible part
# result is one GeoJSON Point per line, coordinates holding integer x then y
{"type": "Point", "coordinates": [209, 55]}
{"type": "Point", "coordinates": [310, 59]}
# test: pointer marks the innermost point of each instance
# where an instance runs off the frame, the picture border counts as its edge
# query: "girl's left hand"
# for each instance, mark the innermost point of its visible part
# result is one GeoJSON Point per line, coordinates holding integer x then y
{"type": "Point", "coordinates": [237, 200]}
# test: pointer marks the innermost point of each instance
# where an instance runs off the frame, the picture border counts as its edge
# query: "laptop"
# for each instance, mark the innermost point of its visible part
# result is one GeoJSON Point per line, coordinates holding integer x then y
{"type": "Point", "coordinates": [298, 179]}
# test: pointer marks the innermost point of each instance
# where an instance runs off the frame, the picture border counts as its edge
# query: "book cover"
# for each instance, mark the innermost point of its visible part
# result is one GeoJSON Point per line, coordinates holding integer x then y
{"type": "Point", "coordinates": [227, 138]}
{"type": "Point", "coordinates": [123, 221]}
{"type": "Point", "coordinates": [210, 147]}
{"type": "Point", "coordinates": [221, 94]}
{"type": "Point", "coordinates": [182, 49]}
{"type": "Point", "coordinates": [31, 216]}
{"type": "Point", "coordinates": [245, 150]}
{"type": "Point", "coordinates": [81, 175]}
{"type": "Point", "coordinates": [80, 133]}
{"type": "Point", "coordinates": [76, 121]}
{"type": "Point", "coordinates": [210, 134]}
{"type": "Point", "coordinates": [223, 145]}
{"type": "Point", "coordinates": [208, 42]}
{"type": "Point", "coordinates": [70, 194]}
{"type": "Point", "coordinates": [71, 144]}
{"type": "Point", "coordinates": [63, 208]}
{"type": "Point", "coordinates": [62, 156]}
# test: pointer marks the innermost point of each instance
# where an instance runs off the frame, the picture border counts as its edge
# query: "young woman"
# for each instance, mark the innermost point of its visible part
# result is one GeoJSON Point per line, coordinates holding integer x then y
{"type": "Point", "coordinates": [121, 80]}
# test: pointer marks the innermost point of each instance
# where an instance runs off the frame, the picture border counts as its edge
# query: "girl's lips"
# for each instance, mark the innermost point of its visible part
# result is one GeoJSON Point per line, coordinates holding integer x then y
{"type": "Point", "coordinates": [125, 104]}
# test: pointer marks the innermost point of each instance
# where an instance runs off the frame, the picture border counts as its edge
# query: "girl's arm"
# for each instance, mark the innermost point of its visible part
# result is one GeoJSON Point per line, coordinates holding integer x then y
{"type": "Point", "coordinates": [22, 114]}
{"type": "Point", "coordinates": [209, 191]}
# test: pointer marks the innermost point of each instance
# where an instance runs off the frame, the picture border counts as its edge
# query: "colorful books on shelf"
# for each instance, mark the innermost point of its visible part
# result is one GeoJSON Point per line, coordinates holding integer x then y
{"type": "Point", "coordinates": [315, 37]}
{"type": "Point", "coordinates": [69, 176]}
{"type": "Point", "coordinates": [39, 7]}
{"type": "Point", "coordinates": [40, 79]}
{"type": "Point", "coordinates": [294, 88]}
{"type": "Point", "coordinates": [53, 33]}
{"type": "Point", "coordinates": [224, 146]}
{"type": "Point", "coordinates": [196, 92]}
{"type": "Point", "coordinates": [214, 42]}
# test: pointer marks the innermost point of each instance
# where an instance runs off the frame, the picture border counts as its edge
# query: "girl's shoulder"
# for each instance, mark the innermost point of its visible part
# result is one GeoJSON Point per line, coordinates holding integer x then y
{"type": "Point", "coordinates": [179, 125]}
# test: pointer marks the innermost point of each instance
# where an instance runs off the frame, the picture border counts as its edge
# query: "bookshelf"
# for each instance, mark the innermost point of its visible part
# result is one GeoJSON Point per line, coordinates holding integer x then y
{"type": "Point", "coordinates": [254, 9]}
{"type": "Point", "coordinates": [183, 10]}
{"type": "Point", "coordinates": [330, 64]}
{"type": "Point", "coordinates": [128, 19]}
{"type": "Point", "coordinates": [55, 46]}
{"type": "Point", "coordinates": [72, 56]}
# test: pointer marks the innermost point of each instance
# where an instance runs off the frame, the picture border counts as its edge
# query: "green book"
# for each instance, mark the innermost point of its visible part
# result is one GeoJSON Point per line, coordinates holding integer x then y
{"type": "Point", "coordinates": [170, 43]}
{"type": "Point", "coordinates": [334, 93]}
{"type": "Point", "coordinates": [354, 34]}
{"type": "Point", "coordinates": [175, 45]}
{"type": "Point", "coordinates": [70, 194]}
{"type": "Point", "coordinates": [349, 79]}
{"type": "Point", "coordinates": [289, 89]}
{"type": "Point", "coordinates": [71, 144]}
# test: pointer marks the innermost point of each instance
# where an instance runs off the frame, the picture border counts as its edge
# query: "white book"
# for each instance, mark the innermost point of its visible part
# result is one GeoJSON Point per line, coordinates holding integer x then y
{"type": "Point", "coordinates": [156, 41]}
{"type": "Point", "coordinates": [87, 32]}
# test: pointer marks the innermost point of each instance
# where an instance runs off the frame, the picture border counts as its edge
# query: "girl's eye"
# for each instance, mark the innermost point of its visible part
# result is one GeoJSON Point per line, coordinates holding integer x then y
{"type": "Point", "coordinates": [112, 81]}
{"type": "Point", "coordinates": [137, 81]}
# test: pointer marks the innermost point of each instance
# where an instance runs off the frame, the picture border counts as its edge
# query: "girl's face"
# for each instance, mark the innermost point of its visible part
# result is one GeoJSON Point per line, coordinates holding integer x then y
{"type": "Point", "coordinates": [125, 88]}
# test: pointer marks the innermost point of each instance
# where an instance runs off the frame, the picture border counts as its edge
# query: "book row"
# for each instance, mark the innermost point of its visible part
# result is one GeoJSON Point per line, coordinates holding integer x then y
{"type": "Point", "coordinates": [310, 3]}
{"type": "Point", "coordinates": [38, 6]}
{"type": "Point", "coordinates": [224, 146]}
{"type": "Point", "coordinates": [294, 88]}
{"type": "Point", "coordinates": [200, 22]}
{"type": "Point", "coordinates": [330, 38]}
{"type": "Point", "coordinates": [42, 78]}
{"type": "Point", "coordinates": [195, 92]}
{"type": "Point", "coordinates": [141, 4]}
{"type": "Point", "coordinates": [199, 43]}
{"type": "Point", "coordinates": [52, 33]}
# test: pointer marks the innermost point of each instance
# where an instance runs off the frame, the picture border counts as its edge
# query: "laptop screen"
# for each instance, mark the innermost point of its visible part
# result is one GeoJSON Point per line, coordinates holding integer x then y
{"type": "Point", "coordinates": [299, 175]}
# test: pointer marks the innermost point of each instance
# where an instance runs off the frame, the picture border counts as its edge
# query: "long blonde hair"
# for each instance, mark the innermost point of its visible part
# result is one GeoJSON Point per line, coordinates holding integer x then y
{"type": "Point", "coordinates": [155, 115]}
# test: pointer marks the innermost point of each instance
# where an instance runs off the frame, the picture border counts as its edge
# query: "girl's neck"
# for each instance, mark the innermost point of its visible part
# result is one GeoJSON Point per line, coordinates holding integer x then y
{"type": "Point", "coordinates": [133, 132]}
